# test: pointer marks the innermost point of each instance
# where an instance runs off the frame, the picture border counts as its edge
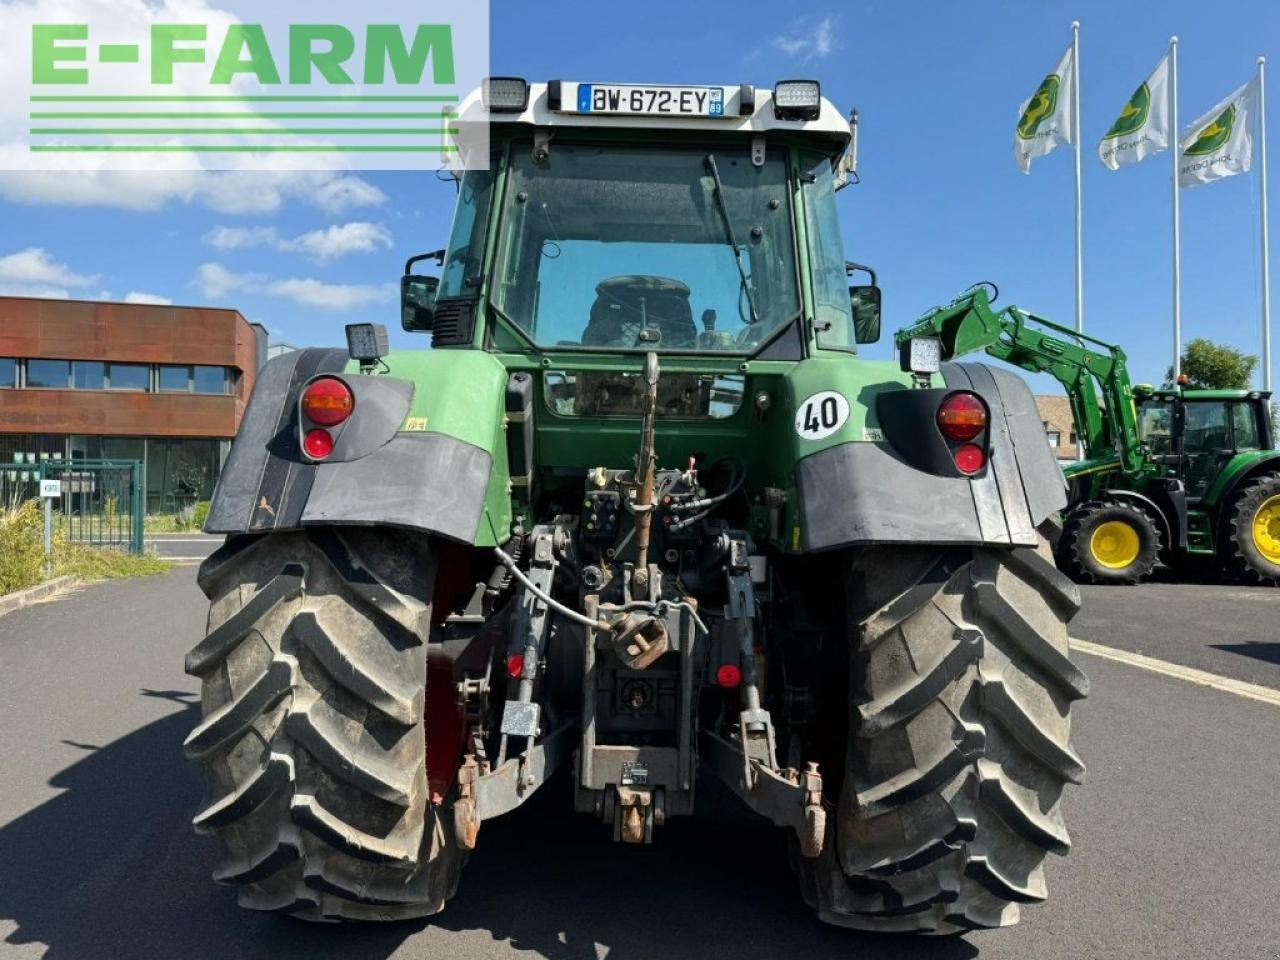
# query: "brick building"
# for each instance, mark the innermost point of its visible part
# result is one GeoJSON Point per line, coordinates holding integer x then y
{"type": "Point", "coordinates": [1059, 425]}
{"type": "Point", "coordinates": [93, 380]}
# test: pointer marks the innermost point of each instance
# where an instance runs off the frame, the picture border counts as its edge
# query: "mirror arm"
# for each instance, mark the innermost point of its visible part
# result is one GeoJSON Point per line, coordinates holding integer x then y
{"type": "Point", "coordinates": [851, 268]}
{"type": "Point", "coordinates": [436, 255]}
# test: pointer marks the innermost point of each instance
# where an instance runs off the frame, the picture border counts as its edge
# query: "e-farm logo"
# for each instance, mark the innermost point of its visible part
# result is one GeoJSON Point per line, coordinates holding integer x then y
{"type": "Point", "coordinates": [1213, 136]}
{"type": "Point", "coordinates": [1040, 107]}
{"type": "Point", "coordinates": [1134, 115]}
{"type": "Point", "coordinates": [249, 92]}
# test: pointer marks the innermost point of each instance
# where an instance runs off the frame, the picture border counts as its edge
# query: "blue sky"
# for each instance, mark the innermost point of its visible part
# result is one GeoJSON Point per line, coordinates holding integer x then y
{"type": "Point", "coordinates": [941, 203]}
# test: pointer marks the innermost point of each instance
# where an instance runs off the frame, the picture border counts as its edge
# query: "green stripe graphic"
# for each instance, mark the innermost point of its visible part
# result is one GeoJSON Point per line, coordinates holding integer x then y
{"type": "Point", "coordinates": [275, 98]}
{"type": "Point", "coordinates": [237, 131]}
{"type": "Point", "coordinates": [41, 115]}
{"type": "Point", "coordinates": [238, 148]}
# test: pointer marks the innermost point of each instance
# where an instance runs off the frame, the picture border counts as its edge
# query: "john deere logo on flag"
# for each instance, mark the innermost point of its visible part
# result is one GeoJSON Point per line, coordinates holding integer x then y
{"type": "Point", "coordinates": [1134, 115]}
{"type": "Point", "coordinates": [1040, 107]}
{"type": "Point", "coordinates": [1213, 136]}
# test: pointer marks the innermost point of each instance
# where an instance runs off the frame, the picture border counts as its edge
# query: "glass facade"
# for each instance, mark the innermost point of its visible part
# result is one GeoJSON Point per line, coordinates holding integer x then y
{"type": "Point", "coordinates": [174, 378]}
{"type": "Point", "coordinates": [128, 376]}
{"type": "Point", "coordinates": [210, 379]}
{"type": "Point", "coordinates": [8, 372]}
{"type": "Point", "coordinates": [87, 374]}
{"type": "Point", "coordinates": [51, 374]}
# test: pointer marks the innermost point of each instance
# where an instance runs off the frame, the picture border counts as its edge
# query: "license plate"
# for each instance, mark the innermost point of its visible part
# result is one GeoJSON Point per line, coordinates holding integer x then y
{"type": "Point", "coordinates": [651, 101]}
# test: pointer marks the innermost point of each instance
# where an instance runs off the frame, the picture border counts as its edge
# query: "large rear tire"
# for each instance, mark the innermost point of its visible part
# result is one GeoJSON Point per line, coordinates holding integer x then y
{"type": "Point", "coordinates": [313, 676]}
{"type": "Point", "coordinates": [1253, 528]}
{"type": "Point", "coordinates": [957, 751]}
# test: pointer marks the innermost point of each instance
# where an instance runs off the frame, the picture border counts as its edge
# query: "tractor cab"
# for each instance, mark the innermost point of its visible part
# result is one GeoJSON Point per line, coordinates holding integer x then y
{"type": "Point", "coordinates": [1196, 434]}
{"type": "Point", "coordinates": [623, 219]}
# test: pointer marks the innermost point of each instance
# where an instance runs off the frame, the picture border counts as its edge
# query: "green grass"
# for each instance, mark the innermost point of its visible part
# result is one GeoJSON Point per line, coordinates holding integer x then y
{"type": "Point", "coordinates": [22, 554]}
{"type": "Point", "coordinates": [183, 522]}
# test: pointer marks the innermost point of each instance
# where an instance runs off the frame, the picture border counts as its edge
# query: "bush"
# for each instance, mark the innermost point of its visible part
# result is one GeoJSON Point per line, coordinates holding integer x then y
{"type": "Point", "coordinates": [22, 554]}
{"type": "Point", "coordinates": [199, 515]}
{"type": "Point", "coordinates": [21, 547]}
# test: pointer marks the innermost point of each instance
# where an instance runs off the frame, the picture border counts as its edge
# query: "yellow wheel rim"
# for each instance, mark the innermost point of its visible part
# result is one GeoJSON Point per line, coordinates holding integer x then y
{"type": "Point", "coordinates": [1266, 529]}
{"type": "Point", "coordinates": [1115, 544]}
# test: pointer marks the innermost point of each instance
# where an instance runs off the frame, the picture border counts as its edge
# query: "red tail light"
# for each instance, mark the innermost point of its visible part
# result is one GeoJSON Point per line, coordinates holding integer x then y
{"type": "Point", "coordinates": [962, 416]}
{"type": "Point", "coordinates": [317, 444]}
{"type": "Point", "coordinates": [327, 401]}
{"type": "Point", "coordinates": [729, 676]}
{"type": "Point", "coordinates": [970, 458]}
{"type": "Point", "coordinates": [515, 666]}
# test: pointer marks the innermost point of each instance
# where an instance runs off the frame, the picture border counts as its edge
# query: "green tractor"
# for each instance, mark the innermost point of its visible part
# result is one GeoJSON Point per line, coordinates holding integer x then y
{"type": "Point", "coordinates": [1168, 474]}
{"type": "Point", "coordinates": [640, 511]}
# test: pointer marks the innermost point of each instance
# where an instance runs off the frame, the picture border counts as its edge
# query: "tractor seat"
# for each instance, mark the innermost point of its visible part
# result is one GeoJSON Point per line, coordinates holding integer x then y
{"type": "Point", "coordinates": [626, 305]}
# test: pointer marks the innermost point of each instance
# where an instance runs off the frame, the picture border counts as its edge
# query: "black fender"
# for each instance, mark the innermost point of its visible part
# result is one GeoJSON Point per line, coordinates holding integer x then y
{"type": "Point", "coordinates": [1172, 517]}
{"type": "Point", "coordinates": [377, 474]}
{"type": "Point", "coordinates": [899, 491]}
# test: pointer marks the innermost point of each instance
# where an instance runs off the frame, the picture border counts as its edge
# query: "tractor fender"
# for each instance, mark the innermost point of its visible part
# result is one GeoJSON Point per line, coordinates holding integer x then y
{"type": "Point", "coordinates": [877, 492]}
{"type": "Point", "coordinates": [377, 473]}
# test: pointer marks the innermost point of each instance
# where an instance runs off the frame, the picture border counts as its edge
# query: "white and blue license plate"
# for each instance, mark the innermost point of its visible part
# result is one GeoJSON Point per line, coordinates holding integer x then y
{"type": "Point", "coordinates": [609, 98]}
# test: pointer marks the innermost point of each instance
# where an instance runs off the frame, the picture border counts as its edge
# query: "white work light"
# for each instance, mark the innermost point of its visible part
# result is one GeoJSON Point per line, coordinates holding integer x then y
{"type": "Point", "coordinates": [504, 94]}
{"type": "Point", "coordinates": [921, 355]}
{"type": "Point", "coordinates": [797, 100]}
{"type": "Point", "coordinates": [367, 342]}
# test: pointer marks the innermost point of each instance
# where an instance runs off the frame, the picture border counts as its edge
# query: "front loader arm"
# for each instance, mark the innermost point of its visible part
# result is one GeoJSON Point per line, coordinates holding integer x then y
{"type": "Point", "coordinates": [1096, 381]}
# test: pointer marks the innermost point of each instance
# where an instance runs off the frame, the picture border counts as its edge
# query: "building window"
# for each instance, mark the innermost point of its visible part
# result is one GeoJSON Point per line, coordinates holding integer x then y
{"type": "Point", "coordinates": [1055, 438]}
{"type": "Point", "coordinates": [49, 374]}
{"type": "Point", "coordinates": [8, 372]}
{"type": "Point", "coordinates": [87, 374]}
{"type": "Point", "coordinates": [1074, 439]}
{"type": "Point", "coordinates": [210, 379]}
{"type": "Point", "coordinates": [175, 378]}
{"type": "Point", "coordinates": [128, 376]}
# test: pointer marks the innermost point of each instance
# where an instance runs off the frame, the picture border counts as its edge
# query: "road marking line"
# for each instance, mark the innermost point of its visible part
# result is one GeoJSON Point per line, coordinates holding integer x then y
{"type": "Point", "coordinates": [1240, 688]}
{"type": "Point", "coordinates": [182, 559]}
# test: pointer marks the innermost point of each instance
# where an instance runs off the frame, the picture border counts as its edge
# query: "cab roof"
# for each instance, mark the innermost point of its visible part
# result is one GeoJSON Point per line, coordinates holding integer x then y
{"type": "Point", "coordinates": [747, 109]}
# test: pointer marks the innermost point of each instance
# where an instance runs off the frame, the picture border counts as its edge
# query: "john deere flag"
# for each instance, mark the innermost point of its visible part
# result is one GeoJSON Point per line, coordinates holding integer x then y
{"type": "Point", "coordinates": [1220, 144]}
{"type": "Point", "coordinates": [1046, 120]}
{"type": "Point", "coordinates": [1143, 125]}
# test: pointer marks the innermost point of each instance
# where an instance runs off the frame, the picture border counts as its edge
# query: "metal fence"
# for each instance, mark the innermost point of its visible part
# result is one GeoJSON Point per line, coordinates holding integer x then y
{"type": "Point", "coordinates": [102, 502]}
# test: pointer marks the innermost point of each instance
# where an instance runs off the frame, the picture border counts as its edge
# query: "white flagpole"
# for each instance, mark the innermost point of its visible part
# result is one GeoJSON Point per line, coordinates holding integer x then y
{"type": "Point", "coordinates": [1266, 252]}
{"type": "Point", "coordinates": [1075, 136]}
{"type": "Point", "coordinates": [1175, 151]}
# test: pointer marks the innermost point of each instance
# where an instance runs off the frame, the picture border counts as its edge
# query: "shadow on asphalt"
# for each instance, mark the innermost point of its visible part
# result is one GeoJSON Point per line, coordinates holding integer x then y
{"type": "Point", "coordinates": [1267, 652]}
{"type": "Point", "coordinates": [109, 868]}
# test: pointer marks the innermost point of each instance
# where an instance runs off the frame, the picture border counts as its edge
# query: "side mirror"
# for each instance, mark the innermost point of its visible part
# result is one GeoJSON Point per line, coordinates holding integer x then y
{"type": "Point", "coordinates": [865, 302]}
{"type": "Point", "coordinates": [418, 301]}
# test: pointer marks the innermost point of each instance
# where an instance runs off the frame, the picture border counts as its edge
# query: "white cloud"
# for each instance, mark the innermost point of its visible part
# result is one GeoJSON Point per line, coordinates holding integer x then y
{"type": "Point", "coordinates": [338, 241]}
{"type": "Point", "coordinates": [328, 244]}
{"type": "Point", "coordinates": [215, 281]}
{"type": "Point", "coordinates": [228, 192]}
{"type": "Point", "coordinates": [34, 273]}
{"type": "Point", "coordinates": [154, 299]}
{"type": "Point", "coordinates": [331, 296]}
{"type": "Point", "coordinates": [810, 41]}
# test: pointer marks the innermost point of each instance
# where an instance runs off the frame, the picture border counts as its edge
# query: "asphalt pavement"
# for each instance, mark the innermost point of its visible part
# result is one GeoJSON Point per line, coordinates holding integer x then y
{"type": "Point", "coordinates": [184, 547]}
{"type": "Point", "coordinates": [1176, 838]}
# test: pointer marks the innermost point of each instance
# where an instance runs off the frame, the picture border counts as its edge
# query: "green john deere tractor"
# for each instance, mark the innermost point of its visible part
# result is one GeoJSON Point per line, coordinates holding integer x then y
{"type": "Point", "coordinates": [1168, 474]}
{"type": "Point", "coordinates": [641, 509]}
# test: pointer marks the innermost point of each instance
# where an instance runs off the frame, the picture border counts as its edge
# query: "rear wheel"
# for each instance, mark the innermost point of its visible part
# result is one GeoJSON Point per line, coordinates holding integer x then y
{"type": "Point", "coordinates": [313, 676]}
{"type": "Point", "coordinates": [1254, 530]}
{"type": "Point", "coordinates": [1110, 542]}
{"type": "Point", "coordinates": [956, 752]}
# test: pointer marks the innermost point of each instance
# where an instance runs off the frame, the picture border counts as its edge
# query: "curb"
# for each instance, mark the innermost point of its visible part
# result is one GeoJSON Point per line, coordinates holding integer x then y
{"type": "Point", "coordinates": [42, 591]}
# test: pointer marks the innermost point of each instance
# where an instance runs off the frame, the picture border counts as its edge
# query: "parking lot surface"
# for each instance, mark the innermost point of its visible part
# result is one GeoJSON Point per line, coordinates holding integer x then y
{"type": "Point", "coordinates": [1177, 841]}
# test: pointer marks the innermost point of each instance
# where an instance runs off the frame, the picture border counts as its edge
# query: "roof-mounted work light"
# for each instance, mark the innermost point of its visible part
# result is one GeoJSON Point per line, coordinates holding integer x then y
{"type": "Point", "coordinates": [797, 100]}
{"type": "Point", "coordinates": [504, 94]}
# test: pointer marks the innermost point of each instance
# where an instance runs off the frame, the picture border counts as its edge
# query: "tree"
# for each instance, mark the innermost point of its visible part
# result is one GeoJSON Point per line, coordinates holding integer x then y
{"type": "Point", "coordinates": [1215, 366]}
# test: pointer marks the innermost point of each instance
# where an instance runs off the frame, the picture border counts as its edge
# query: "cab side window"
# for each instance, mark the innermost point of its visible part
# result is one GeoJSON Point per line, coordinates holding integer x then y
{"type": "Point", "coordinates": [1244, 422]}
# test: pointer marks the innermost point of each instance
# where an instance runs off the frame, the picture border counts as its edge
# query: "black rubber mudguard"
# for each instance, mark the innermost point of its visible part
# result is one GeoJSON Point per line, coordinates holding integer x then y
{"type": "Point", "coordinates": [877, 492]}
